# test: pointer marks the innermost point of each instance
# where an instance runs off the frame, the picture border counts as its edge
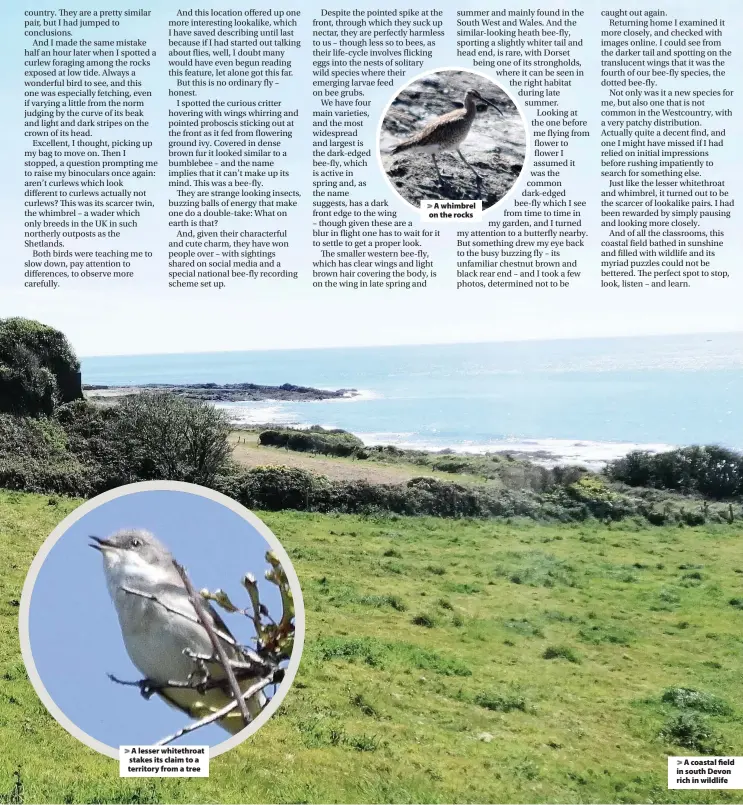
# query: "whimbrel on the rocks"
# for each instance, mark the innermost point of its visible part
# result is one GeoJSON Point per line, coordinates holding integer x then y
{"type": "Point", "coordinates": [447, 132]}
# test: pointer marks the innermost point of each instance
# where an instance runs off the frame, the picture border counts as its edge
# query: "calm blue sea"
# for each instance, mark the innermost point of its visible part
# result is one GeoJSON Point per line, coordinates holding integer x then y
{"type": "Point", "coordinates": [580, 401]}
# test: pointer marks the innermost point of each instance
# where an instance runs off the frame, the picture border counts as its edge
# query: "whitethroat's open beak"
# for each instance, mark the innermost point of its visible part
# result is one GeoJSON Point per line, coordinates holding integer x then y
{"type": "Point", "coordinates": [101, 544]}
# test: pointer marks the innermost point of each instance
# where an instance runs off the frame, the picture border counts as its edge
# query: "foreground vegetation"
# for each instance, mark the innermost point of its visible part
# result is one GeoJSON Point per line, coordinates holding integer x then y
{"type": "Point", "coordinates": [53, 441]}
{"type": "Point", "coordinates": [84, 449]}
{"type": "Point", "coordinates": [447, 661]}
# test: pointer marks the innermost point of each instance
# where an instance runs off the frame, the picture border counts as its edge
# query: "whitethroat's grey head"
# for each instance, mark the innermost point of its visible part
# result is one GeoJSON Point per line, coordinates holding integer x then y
{"type": "Point", "coordinates": [134, 554]}
{"type": "Point", "coordinates": [472, 95]}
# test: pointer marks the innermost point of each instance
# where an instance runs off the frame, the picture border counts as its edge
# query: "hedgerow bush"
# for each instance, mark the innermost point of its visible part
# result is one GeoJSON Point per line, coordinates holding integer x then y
{"type": "Point", "coordinates": [512, 473]}
{"type": "Point", "coordinates": [708, 470]}
{"type": "Point", "coordinates": [273, 488]}
{"type": "Point", "coordinates": [27, 474]}
{"type": "Point", "coordinates": [92, 435]}
{"type": "Point", "coordinates": [35, 457]}
{"type": "Point", "coordinates": [86, 449]}
{"type": "Point", "coordinates": [599, 501]}
{"type": "Point", "coordinates": [314, 440]}
{"type": "Point", "coordinates": [37, 438]}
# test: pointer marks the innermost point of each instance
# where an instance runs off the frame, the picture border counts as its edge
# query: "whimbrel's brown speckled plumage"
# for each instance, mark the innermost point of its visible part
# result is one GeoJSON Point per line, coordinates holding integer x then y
{"type": "Point", "coordinates": [447, 132]}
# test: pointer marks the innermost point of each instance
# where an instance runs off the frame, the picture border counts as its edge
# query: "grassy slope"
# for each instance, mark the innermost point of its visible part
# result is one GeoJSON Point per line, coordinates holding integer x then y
{"type": "Point", "coordinates": [386, 710]}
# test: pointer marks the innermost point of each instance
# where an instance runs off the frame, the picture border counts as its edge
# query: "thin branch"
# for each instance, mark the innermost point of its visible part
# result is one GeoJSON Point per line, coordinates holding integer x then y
{"type": "Point", "coordinates": [212, 717]}
{"type": "Point", "coordinates": [237, 665]}
{"type": "Point", "coordinates": [251, 587]}
{"type": "Point", "coordinates": [218, 647]}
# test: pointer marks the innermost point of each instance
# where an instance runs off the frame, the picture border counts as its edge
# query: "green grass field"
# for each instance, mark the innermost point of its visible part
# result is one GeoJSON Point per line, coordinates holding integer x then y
{"type": "Point", "coordinates": [446, 661]}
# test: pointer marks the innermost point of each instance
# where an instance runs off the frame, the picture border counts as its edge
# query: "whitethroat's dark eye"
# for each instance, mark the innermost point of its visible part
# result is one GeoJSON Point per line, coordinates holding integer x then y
{"type": "Point", "coordinates": [136, 543]}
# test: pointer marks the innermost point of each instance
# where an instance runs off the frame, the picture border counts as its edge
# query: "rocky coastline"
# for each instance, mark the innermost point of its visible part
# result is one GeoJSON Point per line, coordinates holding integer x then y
{"type": "Point", "coordinates": [227, 392]}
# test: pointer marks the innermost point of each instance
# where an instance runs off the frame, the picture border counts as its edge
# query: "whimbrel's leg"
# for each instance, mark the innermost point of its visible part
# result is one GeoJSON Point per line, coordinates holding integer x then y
{"type": "Point", "coordinates": [436, 165]}
{"type": "Point", "coordinates": [478, 178]}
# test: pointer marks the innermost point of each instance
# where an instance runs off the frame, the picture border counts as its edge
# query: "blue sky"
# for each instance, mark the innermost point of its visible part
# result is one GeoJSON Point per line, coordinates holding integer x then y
{"type": "Point", "coordinates": [74, 631]}
{"type": "Point", "coordinates": [145, 316]}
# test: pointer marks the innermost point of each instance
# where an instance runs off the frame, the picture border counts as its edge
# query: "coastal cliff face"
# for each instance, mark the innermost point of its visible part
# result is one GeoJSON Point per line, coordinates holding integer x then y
{"type": "Point", "coordinates": [228, 392]}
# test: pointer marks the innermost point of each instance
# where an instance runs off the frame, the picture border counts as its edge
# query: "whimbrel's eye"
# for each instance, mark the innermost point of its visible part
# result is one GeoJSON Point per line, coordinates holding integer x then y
{"type": "Point", "coordinates": [135, 543]}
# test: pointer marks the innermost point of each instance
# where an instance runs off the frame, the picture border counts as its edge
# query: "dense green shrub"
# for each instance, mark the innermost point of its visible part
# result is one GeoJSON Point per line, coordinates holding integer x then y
{"type": "Point", "coordinates": [35, 457]}
{"type": "Point", "coordinates": [146, 437]}
{"type": "Point", "coordinates": [691, 731]}
{"type": "Point", "coordinates": [273, 488]}
{"type": "Point", "coordinates": [712, 471]}
{"type": "Point", "coordinates": [162, 436]}
{"type": "Point", "coordinates": [314, 440]}
{"type": "Point", "coordinates": [91, 433]}
{"type": "Point", "coordinates": [561, 653]}
{"type": "Point", "coordinates": [501, 702]}
{"type": "Point", "coordinates": [26, 387]}
{"type": "Point", "coordinates": [692, 699]}
{"type": "Point", "coordinates": [635, 469]}
{"type": "Point", "coordinates": [36, 438]}
{"type": "Point", "coordinates": [38, 368]}
{"type": "Point", "coordinates": [87, 449]}
{"type": "Point", "coordinates": [363, 497]}
{"type": "Point", "coordinates": [389, 450]}
{"type": "Point", "coordinates": [29, 474]}
{"type": "Point", "coordinates": [599, 501]}
{"type": "Point", "coordinates": [445, 499]}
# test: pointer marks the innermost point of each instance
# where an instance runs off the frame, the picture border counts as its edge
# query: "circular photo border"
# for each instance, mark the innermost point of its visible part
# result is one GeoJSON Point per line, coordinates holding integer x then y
{"type": "Point", "coordinates": [160, 486]}
{"type": "Point", "coordinates": [528, 148]}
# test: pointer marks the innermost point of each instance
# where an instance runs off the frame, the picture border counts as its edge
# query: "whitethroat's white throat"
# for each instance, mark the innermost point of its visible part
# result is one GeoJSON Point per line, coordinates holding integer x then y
{"type": "Point", "coordinates": [158, 622]}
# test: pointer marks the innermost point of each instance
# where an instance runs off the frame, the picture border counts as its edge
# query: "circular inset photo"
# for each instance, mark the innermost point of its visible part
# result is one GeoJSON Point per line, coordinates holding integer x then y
{"type": "Point", "coordinates": [453, 135]}
{"type": "Point", "coordinates": [161, 613]}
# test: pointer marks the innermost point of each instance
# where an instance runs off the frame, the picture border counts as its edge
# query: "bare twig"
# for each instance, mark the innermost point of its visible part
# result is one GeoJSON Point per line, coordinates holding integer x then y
{"type": "Point", "coordinates": [218, 647]}
{"type": "Point", "coordinates": [255, 659]}
{"type": "Point", "coordinates": [216, 716]}
{"type": "Point", "coordinates": [251, 587]}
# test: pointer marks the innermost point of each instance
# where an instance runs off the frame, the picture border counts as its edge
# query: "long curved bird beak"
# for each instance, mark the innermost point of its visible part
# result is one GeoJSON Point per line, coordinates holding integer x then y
{"type": "Point", "coordinates": [101, 544]}
{"type": "Point", "coordinates": [491, 103]}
